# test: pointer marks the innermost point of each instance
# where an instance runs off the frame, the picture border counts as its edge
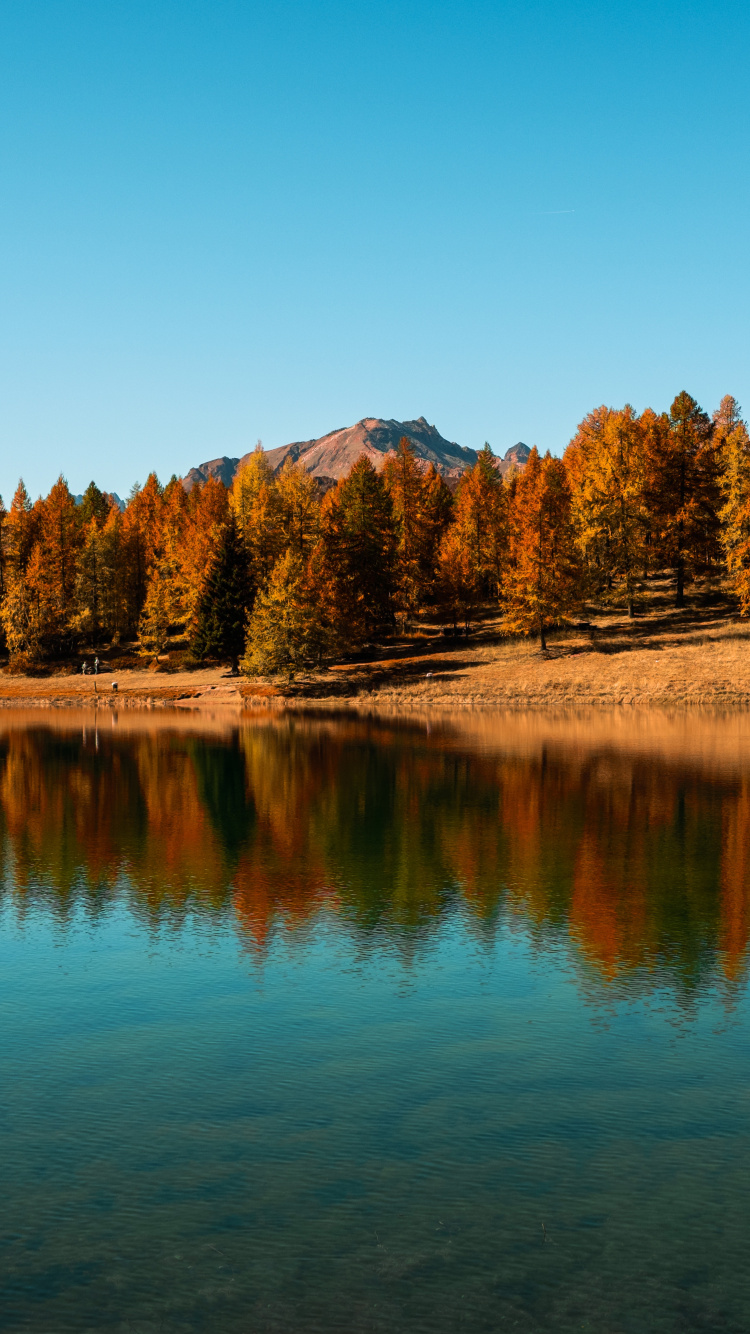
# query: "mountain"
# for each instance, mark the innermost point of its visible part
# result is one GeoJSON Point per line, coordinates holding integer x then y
{"type": "Point", "coordinates": [331, 456]}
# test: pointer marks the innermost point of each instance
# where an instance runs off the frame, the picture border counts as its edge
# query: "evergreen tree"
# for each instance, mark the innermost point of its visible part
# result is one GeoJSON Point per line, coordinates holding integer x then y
{"type": "Point", "coordinates": [94, 505]}
{"type": "Point", "coordinates": [545, 579]}
{"type": "Point", "coordinates": [682, 490]}
{"type": "Point", "coordinates": [288, 631]}
{"type": "Point", "coordinates": [733, 450]}
{"type": "Point", "coordinates": [358, 540]}
{"type": "Point", "coordinates": [421, 505]}
{"type": "Point", "coordinates": [223, 607]}
{"type": "Point", "coordinates": [140, 545]}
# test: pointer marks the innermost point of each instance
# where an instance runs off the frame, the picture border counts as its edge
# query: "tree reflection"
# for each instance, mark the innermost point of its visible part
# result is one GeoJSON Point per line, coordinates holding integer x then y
{"type": "Point", "coordinates": [641, 863]}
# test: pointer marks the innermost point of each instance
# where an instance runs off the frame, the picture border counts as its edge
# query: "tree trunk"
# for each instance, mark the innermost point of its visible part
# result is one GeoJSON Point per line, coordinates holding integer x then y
{"type": "Point", "coordinates": [542, 638]}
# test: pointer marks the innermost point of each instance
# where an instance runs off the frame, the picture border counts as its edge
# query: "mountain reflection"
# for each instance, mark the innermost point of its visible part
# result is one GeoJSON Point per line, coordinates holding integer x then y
{"type": "Point", "coordinates": [640, 860]}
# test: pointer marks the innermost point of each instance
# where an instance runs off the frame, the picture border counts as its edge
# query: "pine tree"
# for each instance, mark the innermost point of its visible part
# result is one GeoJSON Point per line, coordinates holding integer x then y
{"type": "Point", "coordinates": [140, 545]}
{"type": "Point", "coordinates": [94, 505]}
{"type": "Point", "coordinates": [544, 584]}
{"type": "Point", "coordinates": [223, 608]}
{"type": "Point", "coordinates": [90, 583]}
{"type": "Point", "coordinates": [356, 560]}
{"type": "Point", "coordinates": [420, 509]}
{"type": "Point", "coordinates": [287, 631]}
{"type": "Point", "coordinates": [682, 490]}
{"type": "Point", "coordinates": [733, 450]}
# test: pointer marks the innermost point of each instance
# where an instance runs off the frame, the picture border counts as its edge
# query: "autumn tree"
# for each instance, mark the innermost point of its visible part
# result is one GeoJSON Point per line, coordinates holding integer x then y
{"type": "Point", "coordinates": [141, 536]}
{"type": "Point", "coordinates": [20, 532]}
{"type": "Point", "coordinates": [733, 452]}
{"type": "Point", "coordinates": [298, 510]}
{"type": "Point", "coordinates": [288, 631]}
{"type": "Point", "coordinates": [254, 498]}
{"type": "Point", "coordinates": [421, 507]}
{"type": "Point", "coordinates": [544, 580]}
{"type": "Point", "coordinates": [96, 574]}
{"type": "Point", "coordinates": [682, 489]}
{"type": "Point", "coordinates": [202, 531]}
{"type": "Point", "coordinates": [474, 549]}
{"type": "Point", "coordinates": [606, 466]}
{"type": "Point", "coordinates": [357, 552]}
{"type": "Point", "coordinates": [223, 607]}
{"type": "Point", "coordinates": [52, 570]}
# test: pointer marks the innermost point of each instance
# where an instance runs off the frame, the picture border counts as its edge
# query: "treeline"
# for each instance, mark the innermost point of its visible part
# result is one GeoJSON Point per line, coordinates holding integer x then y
{"type": "Point", "coordinates": [274, 574]}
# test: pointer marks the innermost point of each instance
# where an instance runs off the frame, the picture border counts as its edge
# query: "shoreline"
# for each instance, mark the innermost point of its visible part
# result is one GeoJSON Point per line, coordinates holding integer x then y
{"type": "Point", "coordinates": [695, 657]}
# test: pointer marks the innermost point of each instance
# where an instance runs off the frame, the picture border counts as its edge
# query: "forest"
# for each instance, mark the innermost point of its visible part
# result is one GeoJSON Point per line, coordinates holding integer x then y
{"type": "Point", "coordinates": [273, 576]}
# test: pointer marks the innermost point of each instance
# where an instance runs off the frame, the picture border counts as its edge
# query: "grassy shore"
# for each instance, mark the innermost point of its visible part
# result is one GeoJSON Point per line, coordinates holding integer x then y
{"type": "Point", "coordinates": [699, 655]}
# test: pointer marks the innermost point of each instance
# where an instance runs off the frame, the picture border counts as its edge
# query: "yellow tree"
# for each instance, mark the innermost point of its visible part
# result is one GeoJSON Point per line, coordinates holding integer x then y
{"type": "Point", "coordinates": [254, 500]}
{"type": "Point", "coordinates": [606, 466]}
{"type": "Point", "coordinates": [164, 607]}
{"type": "Point", "coordinates": [733, 449]}
{"type": "Point", "coordinates": [299, 499]}
{"type": "Point", "coordinates": [545, 578]}
{"type": "Point", "coordinates": [52, 569]}
{"type": "Point", "coordinates": [287, 631]}
{"type": "Point", "coordinates": [19, 611]}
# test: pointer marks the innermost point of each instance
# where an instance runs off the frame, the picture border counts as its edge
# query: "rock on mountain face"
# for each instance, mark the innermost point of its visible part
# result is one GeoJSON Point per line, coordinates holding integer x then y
{"type": "Point", "coordinates": [331, 456]}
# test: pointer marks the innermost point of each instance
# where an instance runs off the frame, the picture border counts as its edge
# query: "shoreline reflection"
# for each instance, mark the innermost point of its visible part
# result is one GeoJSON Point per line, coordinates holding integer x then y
{"type": "Point", "coordinates": [641, 860]}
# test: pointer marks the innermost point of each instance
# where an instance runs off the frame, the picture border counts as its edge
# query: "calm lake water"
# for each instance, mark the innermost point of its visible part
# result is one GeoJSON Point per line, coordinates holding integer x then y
{"type": "Point", "coordinates": [426, 1026]}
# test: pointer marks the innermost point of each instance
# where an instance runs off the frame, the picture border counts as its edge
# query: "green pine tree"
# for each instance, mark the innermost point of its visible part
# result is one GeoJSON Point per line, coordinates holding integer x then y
{"type": "Point", "coordinates": [222, 611]}
{"type": "Point", "coordinates": [288, 631]}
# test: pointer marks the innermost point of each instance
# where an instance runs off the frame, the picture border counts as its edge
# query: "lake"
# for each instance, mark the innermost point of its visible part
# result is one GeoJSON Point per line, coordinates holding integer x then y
{"type": "Point", "coordinates": [374, 1024]}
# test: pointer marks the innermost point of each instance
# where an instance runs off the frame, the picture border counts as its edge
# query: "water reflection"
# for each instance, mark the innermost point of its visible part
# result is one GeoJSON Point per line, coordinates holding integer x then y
{"type": "Point", "coordinates": [638, 856]}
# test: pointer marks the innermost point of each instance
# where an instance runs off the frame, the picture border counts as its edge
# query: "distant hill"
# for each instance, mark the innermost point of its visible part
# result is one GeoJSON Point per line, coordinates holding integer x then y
{"type": "Point", "coordinates": [331, 456]}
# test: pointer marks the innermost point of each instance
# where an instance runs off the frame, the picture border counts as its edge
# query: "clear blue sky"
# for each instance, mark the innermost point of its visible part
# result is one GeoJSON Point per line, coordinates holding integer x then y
{"type": "Point", "coordinates": [230, 221]}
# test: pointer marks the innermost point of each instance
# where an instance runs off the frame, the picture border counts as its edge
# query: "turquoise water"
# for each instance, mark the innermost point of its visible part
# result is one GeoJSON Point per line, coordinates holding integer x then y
{"type": "Point", "coordinates": [324, 1027]}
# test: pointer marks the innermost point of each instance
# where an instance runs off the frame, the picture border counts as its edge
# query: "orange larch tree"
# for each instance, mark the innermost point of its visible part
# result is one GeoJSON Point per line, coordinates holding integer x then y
{"type": "Point", "coordinates": [545, 579]}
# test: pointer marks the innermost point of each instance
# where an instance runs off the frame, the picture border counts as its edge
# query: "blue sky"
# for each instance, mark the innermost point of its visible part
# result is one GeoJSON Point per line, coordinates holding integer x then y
{"type": "Point", "coordinates": [230, 221]}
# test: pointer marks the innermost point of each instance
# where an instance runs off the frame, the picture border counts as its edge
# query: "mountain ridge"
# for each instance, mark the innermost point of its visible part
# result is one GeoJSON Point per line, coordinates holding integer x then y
{"type": "Point", "coordinates": [331, 456]}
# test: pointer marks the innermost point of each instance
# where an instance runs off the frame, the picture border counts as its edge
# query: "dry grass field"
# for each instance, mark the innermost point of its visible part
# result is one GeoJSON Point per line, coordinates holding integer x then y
{"type": "Point", "coordinates": [697, 656]}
